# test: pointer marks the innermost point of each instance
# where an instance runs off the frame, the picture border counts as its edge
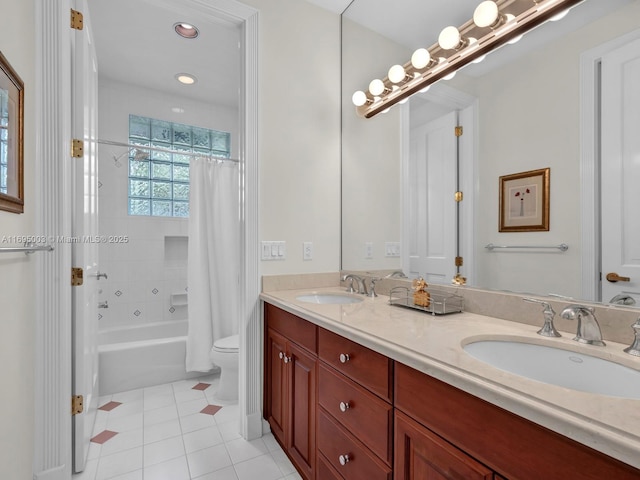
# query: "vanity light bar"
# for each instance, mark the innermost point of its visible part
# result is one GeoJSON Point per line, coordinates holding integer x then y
{"type": "Point", "coordinates": [463, 45]}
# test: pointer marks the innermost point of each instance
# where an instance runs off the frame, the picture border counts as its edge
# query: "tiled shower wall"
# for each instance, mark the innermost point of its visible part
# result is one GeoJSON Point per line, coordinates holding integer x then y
{"type": "Point", "coordinates": [147, 273]}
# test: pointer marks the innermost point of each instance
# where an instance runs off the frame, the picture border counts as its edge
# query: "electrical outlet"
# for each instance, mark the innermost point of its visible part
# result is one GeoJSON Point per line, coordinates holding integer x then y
{"type": "Point", "coordinates": [368, 250]}
{"type": "Point", "coordinates": [307, 250]}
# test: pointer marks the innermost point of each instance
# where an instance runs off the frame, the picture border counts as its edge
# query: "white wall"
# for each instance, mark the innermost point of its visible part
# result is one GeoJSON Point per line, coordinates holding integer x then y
{"type": "Point", "coordinates": [152, 265]}
{"type": "Point", "coordinates": [299, 133]}
{"type": "Point", "coordinates": [17, 271]}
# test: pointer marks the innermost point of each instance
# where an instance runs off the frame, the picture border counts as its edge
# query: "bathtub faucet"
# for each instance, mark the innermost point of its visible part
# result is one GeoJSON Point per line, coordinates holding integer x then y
{"type": "Point", "coordinates": [104, 304]}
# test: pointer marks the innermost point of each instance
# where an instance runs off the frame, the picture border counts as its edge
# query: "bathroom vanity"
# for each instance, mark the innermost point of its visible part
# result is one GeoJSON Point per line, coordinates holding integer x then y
{"type": "Point", "coordinates": [372, 391]}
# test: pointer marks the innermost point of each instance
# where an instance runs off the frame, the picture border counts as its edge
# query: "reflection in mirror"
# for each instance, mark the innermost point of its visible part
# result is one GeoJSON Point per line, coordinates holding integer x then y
{"type": "Point", "coordinates": [11, 138]}
{"type": "Point", "coordinates": [527, 115]}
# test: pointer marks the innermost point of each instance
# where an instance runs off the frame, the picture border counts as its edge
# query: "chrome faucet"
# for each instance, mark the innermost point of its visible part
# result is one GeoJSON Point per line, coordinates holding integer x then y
{"type": "Point", "coordinates": [548, 329]}
{"type": "Point", "coordinates": [588, 328]}
{"type": "Point", "coordinates": [396, 274]}
{"type": "Point", "coordinates": [362, 288]}
{"type": "Point", "coordinates": [623, 299]}
{"type": "Point", "coordinates": [634, 348]}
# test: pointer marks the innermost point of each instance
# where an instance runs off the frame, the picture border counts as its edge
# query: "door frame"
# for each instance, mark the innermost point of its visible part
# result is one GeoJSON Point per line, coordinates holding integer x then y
{"type": "Point", "coordinates": [52, 419]}
{"type": "Point", "coordinates": [467, 107]}
{"type": "Point", "coordinates": [590, 162]}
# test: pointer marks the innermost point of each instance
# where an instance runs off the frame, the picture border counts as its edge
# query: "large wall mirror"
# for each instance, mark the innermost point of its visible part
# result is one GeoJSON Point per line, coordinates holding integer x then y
{"type": "Point", "coordinates": [11, 138]}
{"type": "Point", "coordinates": [522, 109]}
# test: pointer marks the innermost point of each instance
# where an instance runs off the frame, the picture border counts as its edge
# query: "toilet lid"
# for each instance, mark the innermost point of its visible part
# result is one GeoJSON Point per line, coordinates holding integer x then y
{"type": "Point", "coordinates": [227, 343]}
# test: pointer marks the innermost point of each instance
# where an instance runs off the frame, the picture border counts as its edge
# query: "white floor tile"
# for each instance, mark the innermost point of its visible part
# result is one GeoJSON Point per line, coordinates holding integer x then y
{"type": "Point", "coordinates": [197, 421]}
{"type": "Point", "coordinates": [228, 473]}
{"type": "Point", "coordinates": [230, 413]}
{"type": "Point", "coordinates": [160, 415]}
{"type": "Point", "coordinates": [125, 424]}
{"type": "Point", "coordinates": [160, 431]}
{"type": "Point", "coordinates": [119, 463]}
{"type": "Point", "coordinates": [163, 450]}
{"type": "Point", "coordinates": [176, 469]}
{"type": "Point", "coordinates": [153, 401]}
{"type": "Point", "coordinates": [241, 450]}
{"type": "Point", "coordinates": [122, 441]}
{"type": "Point", "coordinates": [163, 436]}
{"type": "Point", "coordinates": [263, 467]}
{"type": "Point", "coordinates": [201, 439]}
{"type": "Point", "coordinates": [192, 406]}
{"type": "Point", "coordinates": [208, 460]}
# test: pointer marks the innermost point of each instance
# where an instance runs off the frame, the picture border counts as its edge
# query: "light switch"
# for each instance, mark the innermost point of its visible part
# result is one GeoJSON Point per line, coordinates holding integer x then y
{"type": "Point", "coordinates": [368, 250]}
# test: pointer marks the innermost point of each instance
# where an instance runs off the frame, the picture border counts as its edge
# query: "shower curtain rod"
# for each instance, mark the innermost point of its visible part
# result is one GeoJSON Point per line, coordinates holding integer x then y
{"type": "Point", "coordinates": [165, 150]}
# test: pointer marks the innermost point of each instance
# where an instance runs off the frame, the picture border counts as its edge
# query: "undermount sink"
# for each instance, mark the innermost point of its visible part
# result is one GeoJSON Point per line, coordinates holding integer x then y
{"type": "Point", "coordinates": [558, 366]}
{"type": "Point", "coordinates": [328, 298]}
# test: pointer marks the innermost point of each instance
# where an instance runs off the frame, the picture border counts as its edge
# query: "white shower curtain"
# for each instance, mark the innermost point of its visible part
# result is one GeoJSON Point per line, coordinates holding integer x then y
{"type": "Point", "coordinates": [213, 258]}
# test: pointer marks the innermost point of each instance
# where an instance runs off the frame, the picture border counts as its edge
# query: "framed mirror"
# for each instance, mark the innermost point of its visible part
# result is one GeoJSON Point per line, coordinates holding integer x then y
{"type": "Point", "coordinates": [11, 139]}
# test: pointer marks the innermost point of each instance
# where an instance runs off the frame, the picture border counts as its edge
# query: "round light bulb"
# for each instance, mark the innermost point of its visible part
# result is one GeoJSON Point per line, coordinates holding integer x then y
{"type": "Point", "coordinates": [486, 14]}
{"type": "Point", "coordinates": [403, 101]}
{"type": "Point", "coordinates": [376, 87]}
{"type": "Point", "coordinates": [420, 58]}
{"type": "Point", "coordinates": [449, 38]}
{"type": "Point", "coordinates": [450, 76]}
{"type": "Point", "coordinates": [425, 89]}
{"type": "Point", "coordinates": [479, 59]}
{"type": "Point", "coordinates": [396, 74]}
{"type": "Point", "coordinates": [359, 98]}
{"type": "Point", "coordinates": [514, 40]}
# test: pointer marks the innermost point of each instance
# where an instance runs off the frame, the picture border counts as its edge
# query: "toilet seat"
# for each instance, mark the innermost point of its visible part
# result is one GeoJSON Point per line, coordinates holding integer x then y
{"type": "Point", "coordinates": [227, 344]}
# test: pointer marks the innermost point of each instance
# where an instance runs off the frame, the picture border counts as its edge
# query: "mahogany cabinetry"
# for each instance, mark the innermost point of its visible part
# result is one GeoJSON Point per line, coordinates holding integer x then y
{"type": "Point", "coordinates": [290, 382]}
{"type": "Point", "coordinates": [355, 416]}
{"type": "Point", "coordinates": [344, 412]}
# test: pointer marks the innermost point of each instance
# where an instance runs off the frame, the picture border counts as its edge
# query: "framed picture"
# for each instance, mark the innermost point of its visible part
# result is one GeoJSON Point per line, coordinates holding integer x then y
{"type": "Point", "coordinates": [524, 201]}
{"type": "Point", "coordinates": [11, 139]}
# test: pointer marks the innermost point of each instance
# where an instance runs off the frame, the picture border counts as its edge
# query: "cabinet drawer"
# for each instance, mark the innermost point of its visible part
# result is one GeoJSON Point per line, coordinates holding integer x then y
{"type": "Point", "coordinates": [336, 443]}
{"type": "Point", "coordinates": [359, 411]}
{"type": "Point", "coordinates": [294, 328]}
{"type": "Point", "coordinates": [370, 369]}
{"type": "Point", "coordinates": [505, 442]}
{"type": "Point", "coordinates": [325, 470]}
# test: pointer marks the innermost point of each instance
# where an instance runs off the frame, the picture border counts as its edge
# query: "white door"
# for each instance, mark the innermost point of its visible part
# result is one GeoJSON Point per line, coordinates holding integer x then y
{"type": "Point", "coordinates": [620, 172]}
{"type": "Point", "coordinates": [85, 231]}
{"type": "Point", "coordinates": [433, 174]}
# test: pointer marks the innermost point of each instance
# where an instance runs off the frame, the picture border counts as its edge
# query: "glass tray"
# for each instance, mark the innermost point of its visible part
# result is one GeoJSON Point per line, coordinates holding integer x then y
{"type": "Point", "coordinates": [441, 303]}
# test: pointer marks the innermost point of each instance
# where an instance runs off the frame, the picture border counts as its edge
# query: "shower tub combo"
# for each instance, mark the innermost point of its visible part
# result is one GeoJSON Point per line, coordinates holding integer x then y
{"type": "Point", "coordinates": [132, 357]}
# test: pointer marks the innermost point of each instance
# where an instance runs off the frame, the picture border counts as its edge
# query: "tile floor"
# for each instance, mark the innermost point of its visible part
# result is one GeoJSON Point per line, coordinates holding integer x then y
{"type": "Point", "coordinates": [178, 431]}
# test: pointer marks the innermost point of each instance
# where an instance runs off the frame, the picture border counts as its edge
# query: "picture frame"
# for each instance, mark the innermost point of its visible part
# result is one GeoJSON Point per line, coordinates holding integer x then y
{"type": "Point", "coordinates": [524, 201]}
{"type": "Point", "coordinates": [11, 139]}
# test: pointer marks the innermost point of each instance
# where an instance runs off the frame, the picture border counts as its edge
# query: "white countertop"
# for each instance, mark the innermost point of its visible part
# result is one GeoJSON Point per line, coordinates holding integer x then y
{"type": "Point", "coordinates": [433, 345]}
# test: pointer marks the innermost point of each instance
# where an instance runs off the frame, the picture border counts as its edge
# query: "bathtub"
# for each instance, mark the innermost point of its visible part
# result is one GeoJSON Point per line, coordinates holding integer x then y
{"type": "Point", "coordinates": [132, 357]}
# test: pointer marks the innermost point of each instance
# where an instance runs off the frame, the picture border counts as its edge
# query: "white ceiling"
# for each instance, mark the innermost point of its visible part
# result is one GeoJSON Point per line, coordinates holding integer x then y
{"type": "Point", "coordinates": [136, 43]}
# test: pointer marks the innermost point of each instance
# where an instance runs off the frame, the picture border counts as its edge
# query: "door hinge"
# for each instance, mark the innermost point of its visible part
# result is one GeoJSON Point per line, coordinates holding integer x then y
{"type": "Point", "coordinates": [77, 148]}
{"type": "Point", "coordinates": [458, 196]}
{"type": "Point", "coordinates": [459, 261]}
{"type": "Point", "coordinates": [77, 276]}
{"type": "Point", "coordinates": [458, 131]}
{"type": "Point", "coordinates": [77, 20]}
{"type": "Point", "coordinates": [77, 404]}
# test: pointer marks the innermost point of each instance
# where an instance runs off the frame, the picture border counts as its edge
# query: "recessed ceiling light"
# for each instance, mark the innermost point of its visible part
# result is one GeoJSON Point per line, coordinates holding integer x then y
{"type": "Point", "coordinates": [186, 78]}
{"type": "Point", "coordinates": [186, 30]}
{"type": "Point", "coordinates": [177, 109]}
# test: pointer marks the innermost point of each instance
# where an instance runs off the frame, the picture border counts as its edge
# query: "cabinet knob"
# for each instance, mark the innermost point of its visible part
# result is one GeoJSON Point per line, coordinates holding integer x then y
{"type": "Point", "coordinates": [281, 355]}
{"type": "Point", "coordinates": [286, 359]}
{"type": "Point", "coordinates": [344, 357]}
{"type": "Point", "coordinates": [344, 459]}
{"type": "Point", "coordinates": [344, 406]}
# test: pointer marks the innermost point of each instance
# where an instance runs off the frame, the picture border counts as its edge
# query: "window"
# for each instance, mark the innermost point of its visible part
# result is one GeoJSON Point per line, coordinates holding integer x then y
{"type": "Point", "coordinates": [159, 182]}
{"type": "Point", "coordinates": [4, 147]}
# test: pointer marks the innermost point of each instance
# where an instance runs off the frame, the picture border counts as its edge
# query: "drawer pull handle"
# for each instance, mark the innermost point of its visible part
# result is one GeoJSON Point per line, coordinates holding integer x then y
{"type": "Point", "coordinates": [344, 406]}
{"type": "Point", "coordinates": [344, 357]}
{"type": "Point", "coordinates": [344, 459]}
{"type": "Point", "coordinates": [284, 358]}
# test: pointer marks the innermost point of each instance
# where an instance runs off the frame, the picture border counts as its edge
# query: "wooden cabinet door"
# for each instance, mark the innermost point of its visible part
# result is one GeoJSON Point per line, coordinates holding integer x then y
{"type": "Point", "coordinates": [422, 455]}
{"type": "Point", "coordinates": [275, 384]}
{"type": "Point", "coordinates": [301, 444]}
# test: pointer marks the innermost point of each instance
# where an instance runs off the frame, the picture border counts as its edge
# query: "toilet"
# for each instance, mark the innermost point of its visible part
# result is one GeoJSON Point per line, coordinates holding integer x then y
{"type": "Point", "coordinates": [224, 354]}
